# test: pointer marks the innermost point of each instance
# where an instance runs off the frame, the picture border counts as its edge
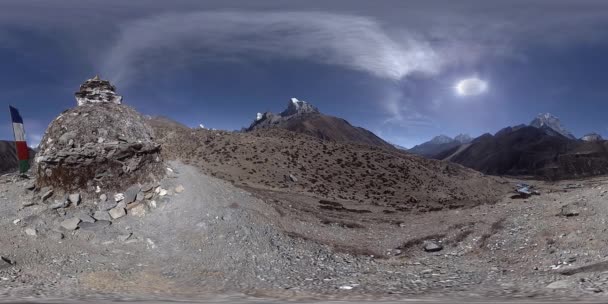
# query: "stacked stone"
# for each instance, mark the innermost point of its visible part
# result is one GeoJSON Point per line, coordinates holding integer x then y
{"type": "Point", "coordinates": [100, 145]}
{"type": "Point", "coordinates": [96, 90]}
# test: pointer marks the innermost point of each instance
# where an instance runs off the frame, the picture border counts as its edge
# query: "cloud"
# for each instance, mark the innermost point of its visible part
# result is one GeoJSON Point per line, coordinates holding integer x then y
{"type": "Point", "coordinates": [353, 42]}
{"type": "Point", "coordinates": [471, 87]}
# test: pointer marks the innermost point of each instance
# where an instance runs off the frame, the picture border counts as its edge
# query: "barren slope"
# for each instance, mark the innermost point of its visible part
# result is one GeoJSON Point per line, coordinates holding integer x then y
{"type": "Point", "coordinates": [344, 172]}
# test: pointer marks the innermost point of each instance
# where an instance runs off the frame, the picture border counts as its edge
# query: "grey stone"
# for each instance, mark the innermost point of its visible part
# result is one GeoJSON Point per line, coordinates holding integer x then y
{"type": "Point", "coordinates": [107, 205]}
{"type": "Point", "coordinates": [147, 188]}
{"type": "Point", "coordinates": [59, 204]}
{"type": "Point", "coordinates": [30, 186]}
{"type": "Point", "coordinates": [562, 284]}
{"type": "Point", "coordinates": [86, 218]}
{"type": "Point", "coordinates": [117, 212]}
{"type": "Point", "coordinates": [70, 224]}
{"type": "Point", "coordinates": [179, 189]}
{"type": "Point", "coordinates": [28, 203]}
{"type": "Point", "coordinates": [102, 216]}
{"type": "Point", "coordinates": [140, 197]}
{"type": "Point", "coordinates": [97, 226]}
{"type": "Point", "coordinates": [103, 197]}
{"type": "Point", "coordinates": [131, 194]}
{"type": "Point", "coordinates": [432, 246]}
{"type": "Point", "coordinates": [568, 211]}
{"type": "Point", "coordinates": [74, 198]}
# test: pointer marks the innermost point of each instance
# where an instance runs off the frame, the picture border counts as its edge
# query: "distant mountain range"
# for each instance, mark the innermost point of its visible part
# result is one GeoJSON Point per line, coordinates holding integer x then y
{"type": "Point", "coordinates": [439, 144]}
{"type": "Point", "coordinates": [544, 148]}
{"type": "Point", "coordinates": [302, 117]}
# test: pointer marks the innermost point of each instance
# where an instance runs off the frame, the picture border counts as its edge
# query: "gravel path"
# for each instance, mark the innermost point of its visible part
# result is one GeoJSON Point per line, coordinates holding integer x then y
{"type": "Point", "coordinates": [217, 243]}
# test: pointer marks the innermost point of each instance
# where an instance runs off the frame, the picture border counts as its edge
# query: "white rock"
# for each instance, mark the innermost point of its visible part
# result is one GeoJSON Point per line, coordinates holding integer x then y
{"type": "Point", "coordinates": [162, 192]}
{"type": "Point", "coordinates": [179, 189]}
{"type": "Point", "coordinates": [346, 287]}
{"type": "Point", "coordinates": [119, 197]}
{"type": "Point", "coordinates": [30, 231]}
{"type": "Point", "coordinates": [74, 198]}
{"type": "Point", "coordinates": [16, 221]}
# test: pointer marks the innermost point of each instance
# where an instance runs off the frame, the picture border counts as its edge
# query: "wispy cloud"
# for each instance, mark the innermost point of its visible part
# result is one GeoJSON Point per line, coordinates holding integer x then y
{"type": "Point", "coordinates": [353, 42]}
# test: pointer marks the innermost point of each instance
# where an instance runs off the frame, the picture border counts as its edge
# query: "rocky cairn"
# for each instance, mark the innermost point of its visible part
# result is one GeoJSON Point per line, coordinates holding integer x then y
{"type": "Point", "coordinates": [100, 145]}
{"type": "Point", "coordinates": [96, 90]}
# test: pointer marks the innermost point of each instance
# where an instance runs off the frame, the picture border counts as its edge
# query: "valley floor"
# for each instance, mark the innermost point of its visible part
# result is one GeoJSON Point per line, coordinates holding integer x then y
{"type": "Point", "coordinates": [215, 239]}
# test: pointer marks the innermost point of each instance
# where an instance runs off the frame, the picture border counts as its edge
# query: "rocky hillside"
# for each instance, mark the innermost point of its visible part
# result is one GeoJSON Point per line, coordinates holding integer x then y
{"type": "Point", "coordinates": [302, 117]}
{"type": "Point", "coordinates": [8, 156]}
{"type": "Point", "coordinates": [280, 160]}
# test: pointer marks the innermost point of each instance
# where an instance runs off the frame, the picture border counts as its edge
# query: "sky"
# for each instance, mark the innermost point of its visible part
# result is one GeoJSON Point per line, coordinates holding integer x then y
{"type": "Point", "coordinates": [406, 70]}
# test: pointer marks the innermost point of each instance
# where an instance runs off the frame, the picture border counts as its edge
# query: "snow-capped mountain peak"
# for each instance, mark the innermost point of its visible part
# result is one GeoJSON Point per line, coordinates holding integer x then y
{"type": "Point", "coordinates": [550, 123]}
{"type": "Point", "coordinates": [296, 106]}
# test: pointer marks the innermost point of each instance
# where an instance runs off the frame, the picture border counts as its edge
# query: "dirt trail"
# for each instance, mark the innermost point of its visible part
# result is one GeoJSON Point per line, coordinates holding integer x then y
{"type": "Point", "coordinates": [213, 240]}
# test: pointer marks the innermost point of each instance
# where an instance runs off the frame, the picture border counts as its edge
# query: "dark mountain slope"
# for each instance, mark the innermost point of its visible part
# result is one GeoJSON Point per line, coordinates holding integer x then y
{"type": "Point", "coordinates": [302, 117]}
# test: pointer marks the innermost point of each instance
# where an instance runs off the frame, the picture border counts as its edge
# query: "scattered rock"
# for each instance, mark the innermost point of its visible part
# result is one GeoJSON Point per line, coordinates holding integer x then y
{"type": "Point", "coordinates": [107, 204]}
{"type": "Point", "coordinates": [179, 189]}
{"type": "Point", "coordinates": [74, 198]}
{"type": "Point", "coordinates": [162, 192]}
{"type": "Point", "coordinates": [569, 210]}
{"type": "Point", "coordinates": [131, 194]}
{"type": "Point", "coordinates": [102, 216]}
{"type": "Point", "coordinates": [30, 186]}
{"type": "Point", "coordinates": [103, 197]}
{"type": "Point", "coordinates": [147, 188]}
{"type": "Point", "coordinates": [140, 197]}
{"type": "Point", "coordinates": [16, 221]}
{"type": "Point", "coordinates": [119, 197]}
{"type": "Point", "coordinates": [432, 246]}
{"type": "Point", "coordinates": [86, 218]}
{"type": "Point", "coordinates": [563, 284]}
{"type": "Point", "coordinates": [117, 212]}
{"type": "Point", "coordinates": [28, 203]}
{"type": "Point", "coordinates": [31, 231]}
{"type": "Point", "coordinates": [70, 224]}
{"type": "Point", "coordinates": [59, 204]}
{"type": "Point", "coordinates": [152, 204]}
{"type": "Point", "coordinates": [97, 226]}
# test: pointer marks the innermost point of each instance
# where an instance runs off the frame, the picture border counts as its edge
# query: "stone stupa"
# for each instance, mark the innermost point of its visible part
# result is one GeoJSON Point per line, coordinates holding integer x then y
{"type": "Point", "coordinates": [99, 145]}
